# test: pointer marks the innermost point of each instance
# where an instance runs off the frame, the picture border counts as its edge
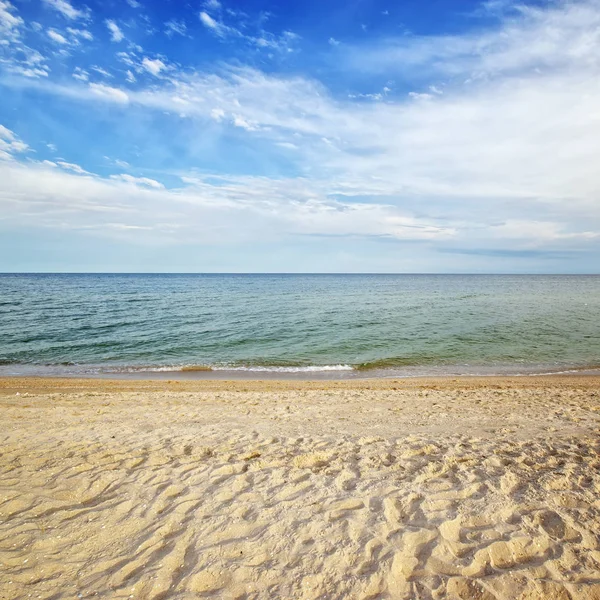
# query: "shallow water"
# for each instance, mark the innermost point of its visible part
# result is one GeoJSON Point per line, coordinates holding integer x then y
{"type": "Point", "coordinates": [298, 325]}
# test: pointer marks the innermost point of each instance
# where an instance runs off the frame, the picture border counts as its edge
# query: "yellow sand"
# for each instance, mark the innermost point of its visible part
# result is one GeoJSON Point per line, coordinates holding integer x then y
{"type": "Point", "coordinates": [486, 489]}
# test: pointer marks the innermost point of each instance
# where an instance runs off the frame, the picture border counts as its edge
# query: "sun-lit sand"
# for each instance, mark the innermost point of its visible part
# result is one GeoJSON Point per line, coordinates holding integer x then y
{"type": "Point", "coordinates": [486, 489]}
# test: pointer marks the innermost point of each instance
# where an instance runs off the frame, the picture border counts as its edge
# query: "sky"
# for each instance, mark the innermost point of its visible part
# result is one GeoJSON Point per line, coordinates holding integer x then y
{"type": "Point", "coordinates": [449, 136]}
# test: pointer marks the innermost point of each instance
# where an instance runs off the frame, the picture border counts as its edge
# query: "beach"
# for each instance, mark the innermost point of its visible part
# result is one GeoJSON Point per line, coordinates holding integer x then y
{"type": "Point", "coordinates": [460, 488]}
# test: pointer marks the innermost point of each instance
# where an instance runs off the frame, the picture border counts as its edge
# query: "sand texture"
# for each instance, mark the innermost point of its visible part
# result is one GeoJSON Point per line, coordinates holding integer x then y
{"type": "Point", "coordinates": [455, 489]}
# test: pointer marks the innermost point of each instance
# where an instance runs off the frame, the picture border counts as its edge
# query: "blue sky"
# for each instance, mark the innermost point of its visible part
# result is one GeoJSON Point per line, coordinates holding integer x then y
{"type": "Point", "coordinates": [364, 136]}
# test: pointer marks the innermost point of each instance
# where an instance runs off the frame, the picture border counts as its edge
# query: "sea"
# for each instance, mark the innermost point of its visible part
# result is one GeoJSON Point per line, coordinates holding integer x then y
{"type": "Point", "coordinates": [297, 326]}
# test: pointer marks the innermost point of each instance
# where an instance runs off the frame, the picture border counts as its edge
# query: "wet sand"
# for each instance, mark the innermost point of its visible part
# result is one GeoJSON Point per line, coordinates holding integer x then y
{"type": "Point", "coordinates": [440, 488]}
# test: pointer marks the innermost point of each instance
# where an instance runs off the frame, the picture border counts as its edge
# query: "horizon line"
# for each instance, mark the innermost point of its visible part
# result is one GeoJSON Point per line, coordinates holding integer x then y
{"type": "Point", "coordinates": [288, 273]}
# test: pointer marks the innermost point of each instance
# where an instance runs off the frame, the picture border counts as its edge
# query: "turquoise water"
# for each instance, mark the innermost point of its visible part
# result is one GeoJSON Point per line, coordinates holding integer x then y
{"type": "Point", "coordinates": [341, 325]}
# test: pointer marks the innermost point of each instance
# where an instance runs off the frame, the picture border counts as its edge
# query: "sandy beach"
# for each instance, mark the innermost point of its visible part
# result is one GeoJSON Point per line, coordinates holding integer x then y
{"type": "Point", "coordinates": [442, 488]}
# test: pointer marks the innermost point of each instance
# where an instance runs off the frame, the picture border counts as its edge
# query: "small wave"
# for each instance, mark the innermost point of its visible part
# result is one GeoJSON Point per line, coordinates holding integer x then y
{"type": "Point", "coordinates": [306, 369]}
{"type": "Point", "coordinates": [394, 363]}
{"type": "Point", "coordinates": [226, 368]}
{"type": "Point", "coordinates": [163, 369]}
{"type": "Point", "coordinates": [572, 371]}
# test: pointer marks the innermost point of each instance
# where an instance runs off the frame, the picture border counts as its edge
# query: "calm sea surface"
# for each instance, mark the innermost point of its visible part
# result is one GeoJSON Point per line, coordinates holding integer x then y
{"type": "Point", "coordinates": [323, 325]}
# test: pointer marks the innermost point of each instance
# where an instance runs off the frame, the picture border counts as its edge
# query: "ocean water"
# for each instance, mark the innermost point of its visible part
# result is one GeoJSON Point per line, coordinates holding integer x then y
{"type": "Point", "coordinates": [297, 325]}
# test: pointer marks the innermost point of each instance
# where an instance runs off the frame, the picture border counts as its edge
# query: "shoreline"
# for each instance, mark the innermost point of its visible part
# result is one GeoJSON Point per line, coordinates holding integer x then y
{"type": "Point", "coordinates": [331, 372]}
{"type": "Point", "coordinates": [35, 384]}
{"type": "Point", "coordinates": [340, 372]}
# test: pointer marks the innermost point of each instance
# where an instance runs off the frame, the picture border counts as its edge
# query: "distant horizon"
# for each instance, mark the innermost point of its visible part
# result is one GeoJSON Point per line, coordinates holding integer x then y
{"type": "Point", "coordinates": [293, 273]}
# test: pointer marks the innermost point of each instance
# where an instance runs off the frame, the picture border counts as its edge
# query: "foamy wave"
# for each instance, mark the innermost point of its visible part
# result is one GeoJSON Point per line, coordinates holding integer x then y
{"type": "Point", "coordinates": [164, 369]}
{"type": "Point", "coordinates": [309, 369]}
{"type": "Point", "coordinates": [256, 369]}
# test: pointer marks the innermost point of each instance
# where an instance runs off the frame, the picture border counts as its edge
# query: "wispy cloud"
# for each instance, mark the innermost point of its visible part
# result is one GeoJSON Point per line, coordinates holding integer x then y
{"type": "Point", "coordinates": [252, 33]}
{"type": "Point", "coordinates": [10, 144]}
{"type": "Point", "coordinates": [57, 37]}
{"type": "Point", "coordinates": [80, 74]}
{"type": "Point", "coordinates": [10, 23]}
{"type": "Point", "coordinates": [106, 92]}
{"type": "Point", "coordinates": [240, 208]}
{"type": "Point", "coordinates": [175, 27]}
{"type": "Point", "coordinates": [558, 36]}
{"type": "Point", "coordinates": [219, 28]}
{"type": "Point", "coordinates": [100, 71]}
{"type": "Point", "coordinates": [143, 181]}
{"type": "Point", "coordinates": [72, 167]}
{"type": "Point", "coordinates": [17, 57]}
{"type": "Point", "coordinates": [31, 64]}
{"type": "Point", "coordinates": [80, 33]}
{"type": "Point", "coordinates": [67, 10]}
{"type": "Point", "coordinates": [70, 37]}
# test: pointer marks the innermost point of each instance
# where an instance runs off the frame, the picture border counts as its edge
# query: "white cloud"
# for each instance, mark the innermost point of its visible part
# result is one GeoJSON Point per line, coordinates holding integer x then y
{"type": "Point", "coordinates": [116, 35]}
{"type": "Point", "coordinates": [6, 134]}
{"type": "Point", "coordinates": [72, 167]}
{"type": "Point", "coordinates": [74, 36]}
{"type": "Point", "coordinates": [126, 58]}
{"type": "Point", "coordinates": [375, 96]}
{"type": "Point", "coordinates": [109, 93]}
{"type": "Point", "coordinates": [134, 3]}
{"type": "Point", "coordinates": [144, 181]}
{"type": "Point", "coordinates": [57, 37]}
{"type": "Point", "coordinates": [239, 208]}
{"type": "Point", "coordinates": [80, 74]}
{"type": "Point", "coordinates": [239, 121]}
{"type": "Point", "coordinates": [81, 33]}
{"type": "Point", "coordinates": [29, 72]}
{"type": "Point", "coordinates": [420, 96]}
{"type": "Point", "coordinates": [153, 66]}
{"type": "Point", "coordinates": [211, 23]}
{"type": "Point", "coordinates": [67, 9]}
{"type": "Point", "coordinates": [333, 42]}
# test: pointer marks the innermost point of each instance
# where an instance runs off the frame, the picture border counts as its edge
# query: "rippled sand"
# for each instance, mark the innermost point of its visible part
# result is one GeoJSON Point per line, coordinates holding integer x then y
{"type": "Point", "coordinates": [483, 489]}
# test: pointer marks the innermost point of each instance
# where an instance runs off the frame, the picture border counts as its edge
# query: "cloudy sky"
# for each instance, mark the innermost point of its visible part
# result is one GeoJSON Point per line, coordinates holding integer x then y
{"type": "Point", "coordinates": [264, 135]}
